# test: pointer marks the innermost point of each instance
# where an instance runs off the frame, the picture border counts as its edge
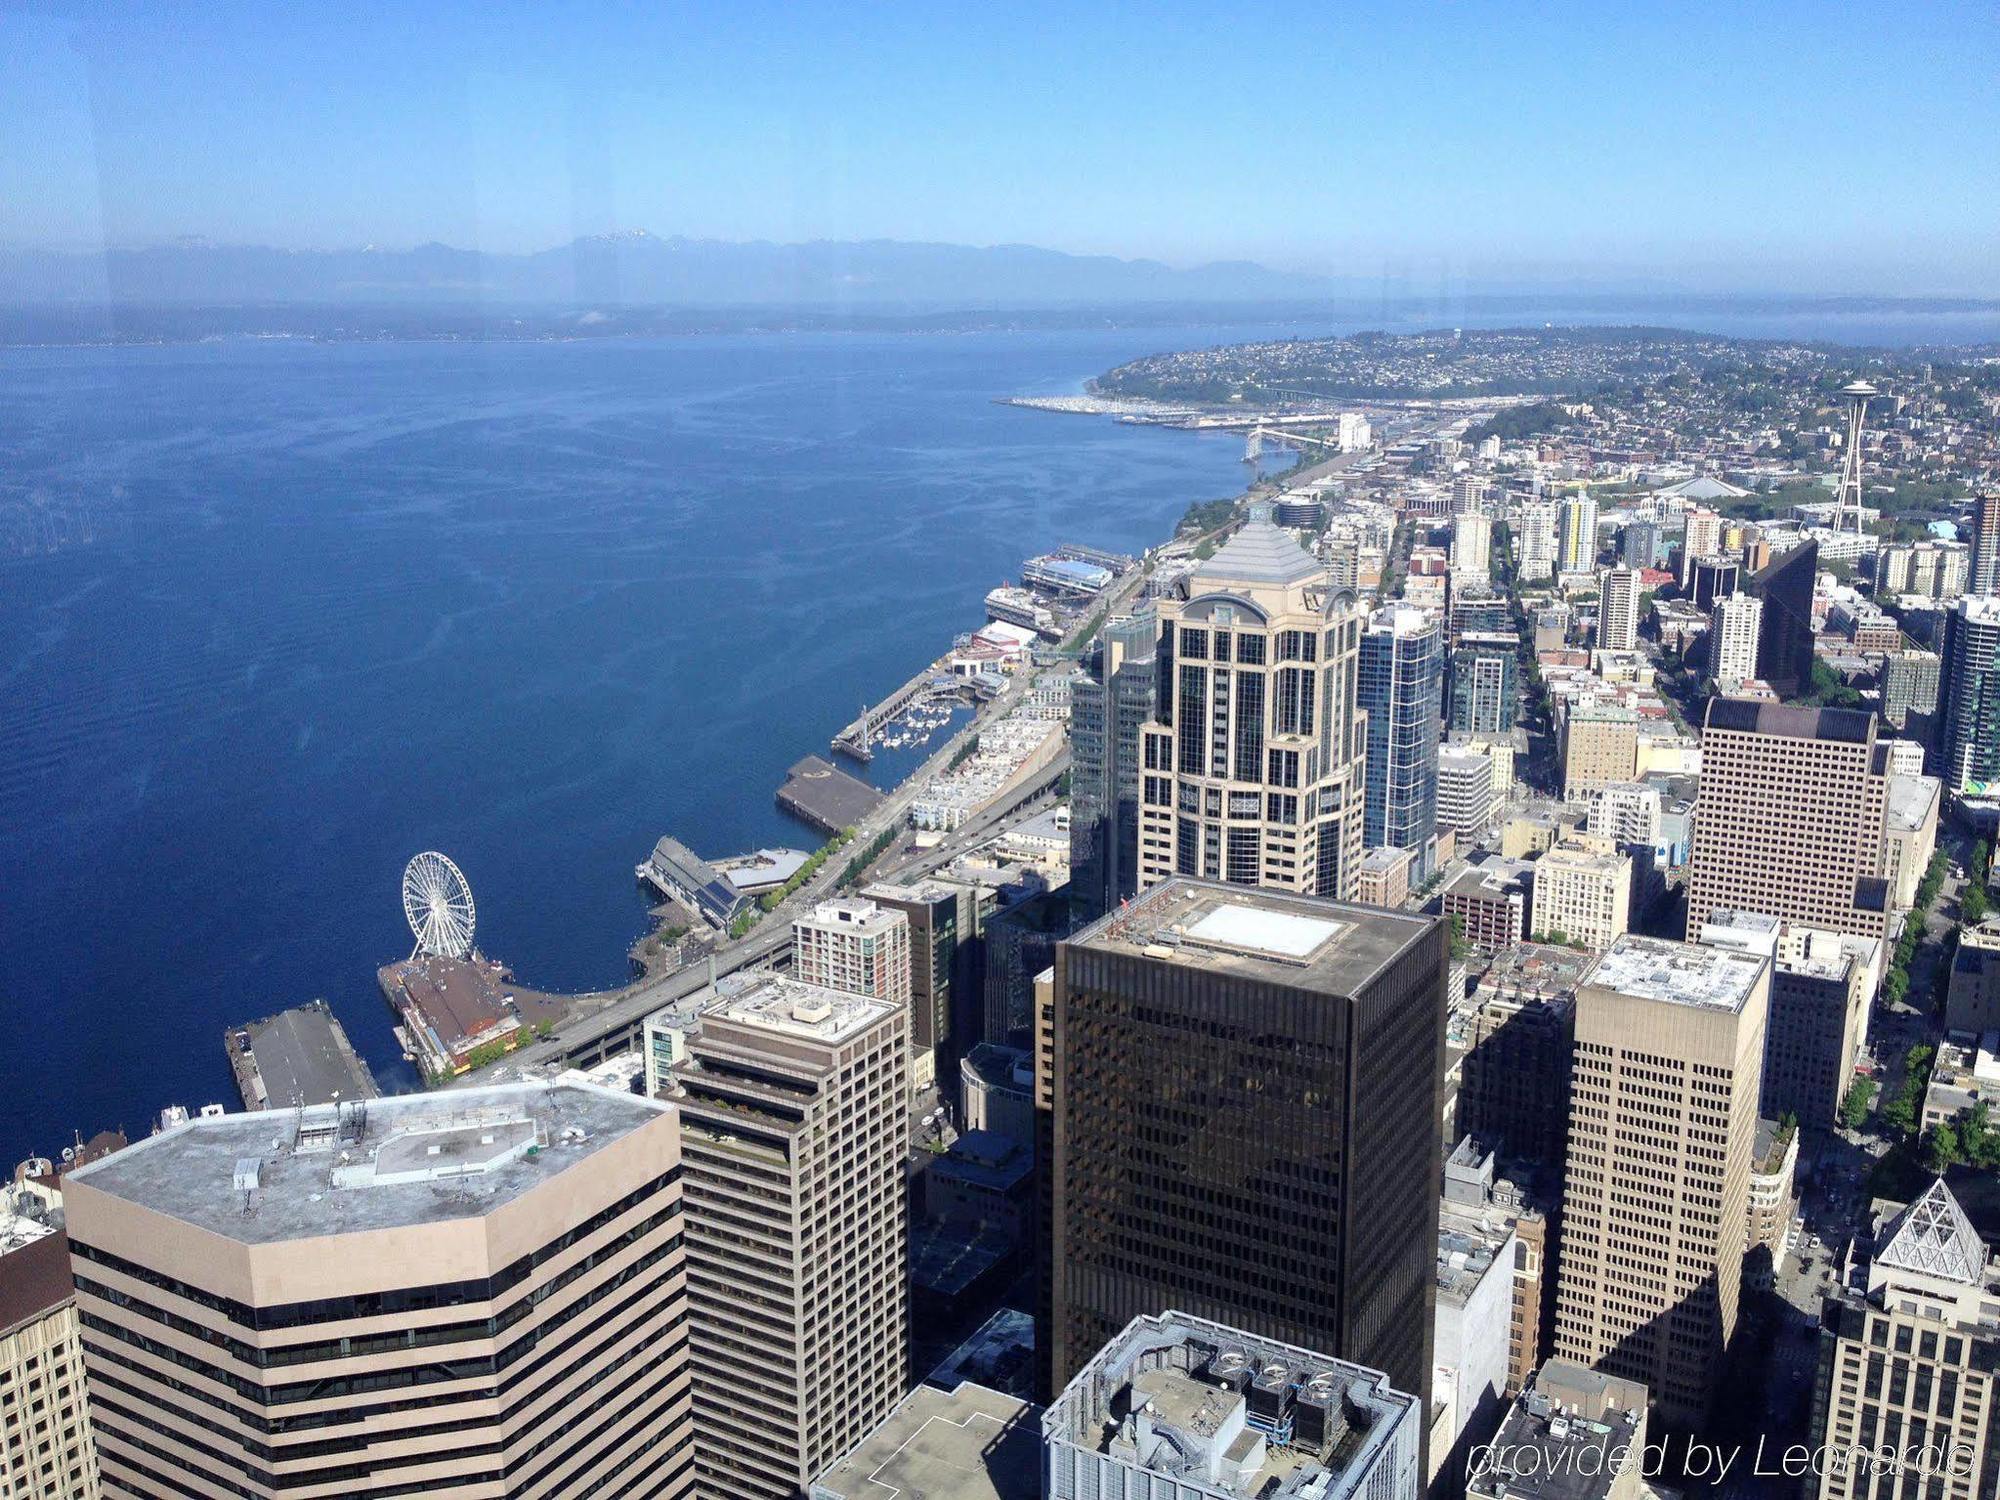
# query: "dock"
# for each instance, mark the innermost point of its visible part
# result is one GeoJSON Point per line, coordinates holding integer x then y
{"type": "Point", "coordinates": [299, 1056]}
{"type": "Point", "coordinates": [826, 796]}
{"type": "Point", "coordinates": [858, 738]}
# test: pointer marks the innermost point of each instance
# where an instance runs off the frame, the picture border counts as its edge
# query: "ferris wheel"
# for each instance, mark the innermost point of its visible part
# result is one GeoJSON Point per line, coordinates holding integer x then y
{"type": "Point", "coordinates": [438, 903]}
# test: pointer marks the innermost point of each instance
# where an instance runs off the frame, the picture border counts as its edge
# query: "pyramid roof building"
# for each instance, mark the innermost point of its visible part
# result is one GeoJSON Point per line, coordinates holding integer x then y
{"type": "Point", "coordinates": [1259, 552]}
{"type": "Point", "coordinates": [1933, 1237]}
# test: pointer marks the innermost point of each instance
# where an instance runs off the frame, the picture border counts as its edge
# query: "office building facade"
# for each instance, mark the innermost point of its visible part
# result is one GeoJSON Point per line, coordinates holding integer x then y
{"type": "Point", "coordinates": [1968, 743]}
{"type": "Point", "coordinates": [1789, 818]}
{"type": "Point", "coordinates": [46, 1448]}
{"type": "Point", "coordinates": [940, 918]}
{"type": "Point", "coordinates": [1485, 682]}
{"type": "Point", "coordinates": [1908, 1396]}
{"type": "Point", "coordinates": [1402, 678]}
{"type": "Point", "coordinates": [479, 1292]}
{"type": "Point", "coordinates": [1983, 571]}
{"type": "Point", "coordinates": [1663, 1123]}
{"type": "Point", "coordinates": [1253, 767]}
{"type": "Point", "coordinates": [1785, 629]}
{"type": "Point", "coordinates": [794, 1131]}
{"type": "Point", "coordinates": [1110, 705]}
{"type": "Point", "coordinates": [1244, 1115]}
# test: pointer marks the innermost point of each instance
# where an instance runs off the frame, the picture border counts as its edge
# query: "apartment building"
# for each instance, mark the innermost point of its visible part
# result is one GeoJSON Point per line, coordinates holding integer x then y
{"type": "Point", "coordinates": [1735, 625]}
{"type": "Point", "coordinates": [862, 946]}
{"type": "Point", "coordinates": [1618, 610]}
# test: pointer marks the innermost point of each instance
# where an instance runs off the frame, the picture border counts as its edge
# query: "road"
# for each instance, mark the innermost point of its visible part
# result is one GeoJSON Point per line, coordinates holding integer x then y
{"type": "Point", "coordinates": [589, 1038]}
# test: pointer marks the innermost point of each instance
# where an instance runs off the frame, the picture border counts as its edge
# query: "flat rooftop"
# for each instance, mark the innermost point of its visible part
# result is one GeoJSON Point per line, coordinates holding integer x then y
{"type": "Point", "coordinates": [393, 1163]}
{"type": "Point", "coordinates": [1753, 716]}
{"type": "Point", "coordinates": [790, 1007]}
{"type": "Point", "coordinates": [301, 1056]}
{"type": "Point", "coordinates": [1689, 974]}
{"type": "Point", "coordinates": [1193, 1379]}
{"type": "Point", "coordinates": [970, 1443]}
{"type": "Point", "coordinates": [1305, 941]}
{"type": "Point", "coordinates": [1544, 1453]}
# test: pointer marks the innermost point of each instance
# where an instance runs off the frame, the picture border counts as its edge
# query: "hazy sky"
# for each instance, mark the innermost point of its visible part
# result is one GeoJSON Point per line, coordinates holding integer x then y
{"type": "Point", "coordinates": [1753, 146]}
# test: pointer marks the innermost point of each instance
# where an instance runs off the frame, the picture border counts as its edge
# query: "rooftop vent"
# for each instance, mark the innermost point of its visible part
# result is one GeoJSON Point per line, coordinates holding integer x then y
{"type": "Point", "coordinates": [248, 1172]}
{"type": "Point", "coordinates": [812, 1010]}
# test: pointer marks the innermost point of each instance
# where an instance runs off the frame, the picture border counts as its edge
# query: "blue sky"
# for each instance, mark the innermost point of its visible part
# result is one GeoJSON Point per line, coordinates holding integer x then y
{"type": "Point", "coordinates": [1765, 147]}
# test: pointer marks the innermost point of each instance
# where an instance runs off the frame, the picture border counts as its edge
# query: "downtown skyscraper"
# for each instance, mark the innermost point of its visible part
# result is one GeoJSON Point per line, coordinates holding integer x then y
{"type": "Point", "coordinates": [1252, 768]}
{"type": "Point", "coordinates": [1402, 679]}
{"type": "Point", "coordinates": [1243, 1094]}
{"type": "Point", "coordinates": [1968, 744]}
{"type": "Point", "coordinates": [1111, 701]}
{"type": "Point", "coordinates": [1789, 820]}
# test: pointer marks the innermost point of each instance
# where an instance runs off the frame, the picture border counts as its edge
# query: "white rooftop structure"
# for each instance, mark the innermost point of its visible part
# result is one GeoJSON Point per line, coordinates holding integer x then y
{"type": "Point", "coordinates": [1678, 973]}
{"type": "Point", "coordinates": [1704, 487]}
{"type": "Point", "coordinates": [1933, 1236]}
{"type": "Point", "coordinates": [1289, 937]}
{"type": "Point", "coordinates": [803, 1010]}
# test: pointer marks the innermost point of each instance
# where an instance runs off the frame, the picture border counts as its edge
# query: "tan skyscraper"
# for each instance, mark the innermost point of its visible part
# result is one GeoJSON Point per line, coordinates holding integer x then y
{"type": "Point", "coordinates": [1253, 772]}
{"type": "Point", "coordinates": [794, 1130]}
{"type": "Point", "coordinates": [1663, 1122]}
{"type": "Point", "coordinates": [1790, 816]}
{"type": "Point", "coordinates": [1908, 1361]}
{"type": "Point", "coordinates": [45, 1444]}
{"type": "Point", "coordinates": [477, 1293]}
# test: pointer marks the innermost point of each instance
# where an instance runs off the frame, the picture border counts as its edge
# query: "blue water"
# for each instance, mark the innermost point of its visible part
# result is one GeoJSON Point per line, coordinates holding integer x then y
{"type": "Point", "coordinates": [317, 607]}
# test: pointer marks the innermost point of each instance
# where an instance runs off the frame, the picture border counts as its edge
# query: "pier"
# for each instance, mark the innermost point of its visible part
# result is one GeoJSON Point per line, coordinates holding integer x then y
{"type": "Point", "coordinates": [820, 793]}
{"type": "Point", "coordinates": [857, 740]}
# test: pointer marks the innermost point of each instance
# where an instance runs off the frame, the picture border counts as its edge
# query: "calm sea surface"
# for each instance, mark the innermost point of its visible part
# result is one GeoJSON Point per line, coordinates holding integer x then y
{"type": "Point", "coordinates": [298, 611]}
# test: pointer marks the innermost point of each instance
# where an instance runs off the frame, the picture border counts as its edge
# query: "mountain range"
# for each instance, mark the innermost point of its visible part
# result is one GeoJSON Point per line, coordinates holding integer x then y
{"type": "Point", "coordinates": [636, 268]}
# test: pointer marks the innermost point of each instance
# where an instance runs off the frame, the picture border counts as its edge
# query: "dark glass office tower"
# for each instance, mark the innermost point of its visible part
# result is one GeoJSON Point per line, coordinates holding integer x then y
{"type": "Point", "coordinates": [1244, 1123]}
{"type": "Point", "coordinates": [1785, 635]}
{"type": "Point", "coordinates": [1109, 704]}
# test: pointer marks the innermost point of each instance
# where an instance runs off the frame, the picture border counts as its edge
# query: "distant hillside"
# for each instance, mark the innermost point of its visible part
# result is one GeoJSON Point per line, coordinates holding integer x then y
{"type": "Point", "coordinates": [636, 269]}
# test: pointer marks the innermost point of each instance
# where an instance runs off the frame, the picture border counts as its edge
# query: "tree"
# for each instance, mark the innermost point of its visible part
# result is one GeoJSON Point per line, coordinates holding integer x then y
{"type": "Point", "coordinates": [1972, 905]}
{"type": "Point", "coordinates": [1460, 948]}
{"type": "Point", "coordinates": [1854, 1108]}
{"type": "Point", "coordinates": [1941, 1148]}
